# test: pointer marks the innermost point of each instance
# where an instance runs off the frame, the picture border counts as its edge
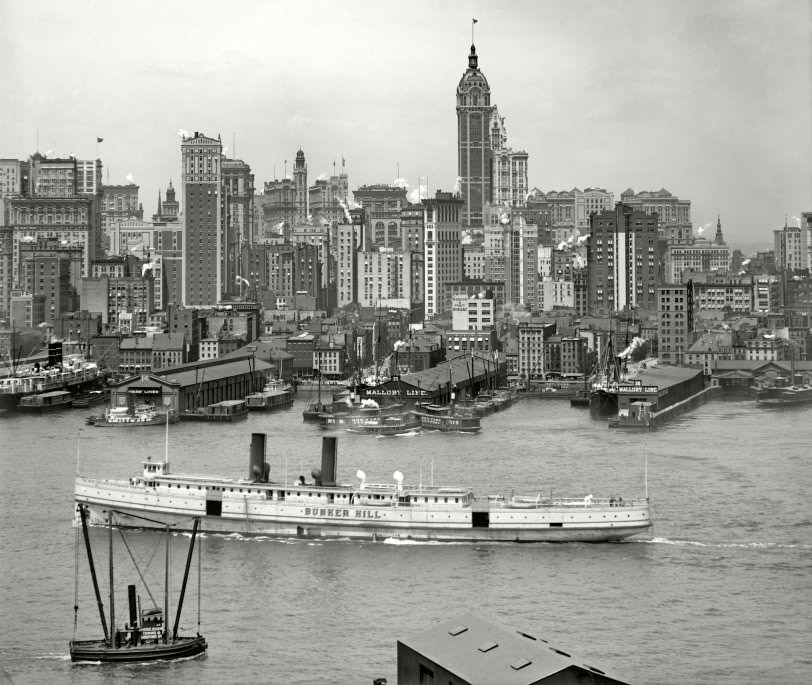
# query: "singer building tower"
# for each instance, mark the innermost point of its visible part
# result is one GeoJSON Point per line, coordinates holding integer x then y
{"type": "Point", "coordinates": [489, 171]}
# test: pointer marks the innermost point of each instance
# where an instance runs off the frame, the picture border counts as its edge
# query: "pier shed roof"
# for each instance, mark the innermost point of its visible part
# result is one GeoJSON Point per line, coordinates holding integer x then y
{"type": "Point", "coordinates": [477, 651]}
{"type": "Point", "coordinates": [666, 376]}
{"type": "Point", "coordinates": [196, 373]}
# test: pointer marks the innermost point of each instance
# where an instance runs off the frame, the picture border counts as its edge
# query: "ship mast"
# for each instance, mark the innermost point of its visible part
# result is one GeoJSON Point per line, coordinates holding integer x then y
{"type": "Point", "coordinates": [112, 593]}
{"type": "Point", "coordinates": [83, 516]}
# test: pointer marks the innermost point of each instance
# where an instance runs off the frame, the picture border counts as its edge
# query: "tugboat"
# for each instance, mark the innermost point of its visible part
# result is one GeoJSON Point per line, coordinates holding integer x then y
{"type": "Point", "coordinates": [447, 418]}
{"type": "Point", "coordinates": [147, 636]}
{"type": "Point", "coordinates": [140, 415]}
{"type": "Point", "coordinates": [382, 424]}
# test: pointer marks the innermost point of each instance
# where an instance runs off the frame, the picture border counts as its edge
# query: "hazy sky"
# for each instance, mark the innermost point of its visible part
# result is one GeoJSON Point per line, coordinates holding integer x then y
{"type": "Point", "coordinates": [710, 99]}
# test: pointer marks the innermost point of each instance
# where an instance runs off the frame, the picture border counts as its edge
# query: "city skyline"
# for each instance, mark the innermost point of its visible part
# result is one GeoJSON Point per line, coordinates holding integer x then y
{"type": "Point", "coordinates": [711, 102]}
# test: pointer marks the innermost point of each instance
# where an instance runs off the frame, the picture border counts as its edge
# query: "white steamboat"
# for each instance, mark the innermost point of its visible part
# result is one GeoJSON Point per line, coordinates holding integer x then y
{"type": "Point", "coordinates": [324, 508]}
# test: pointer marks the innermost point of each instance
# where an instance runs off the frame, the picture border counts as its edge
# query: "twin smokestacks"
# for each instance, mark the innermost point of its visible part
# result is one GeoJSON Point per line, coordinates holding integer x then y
{"type": "Point", "coordinates": [259, 469]}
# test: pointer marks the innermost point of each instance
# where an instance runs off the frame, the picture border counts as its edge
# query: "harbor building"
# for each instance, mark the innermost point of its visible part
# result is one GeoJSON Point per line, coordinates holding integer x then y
{"type": "Point", "coordinates": [530, 360]}
{"type": "Point", "coordinates": [468, 650]}
{"type": "Point", "coordinates": [455, 379]}
{"type": "Point", "coordinates": [203, 283]}
{"type": "Point", "coordinates": [194, 385]}
{"type": "Point", "coordinates": [622, 260]}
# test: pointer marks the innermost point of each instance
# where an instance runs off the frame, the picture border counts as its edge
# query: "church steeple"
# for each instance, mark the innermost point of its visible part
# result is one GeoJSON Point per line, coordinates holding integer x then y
{"type": "Point", "coordinates": [720, 239]}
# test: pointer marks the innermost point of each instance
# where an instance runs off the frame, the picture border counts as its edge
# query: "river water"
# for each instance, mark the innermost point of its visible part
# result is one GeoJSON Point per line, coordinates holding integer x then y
{"type": "Point", "coordinates": [719, 592]}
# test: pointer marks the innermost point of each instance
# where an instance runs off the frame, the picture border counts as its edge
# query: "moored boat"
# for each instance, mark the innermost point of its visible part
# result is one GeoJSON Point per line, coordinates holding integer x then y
{"type": "Point", "coordinates": [343, 415]}
{"type": "Point", "coordinates": [89, 399]}
{"type": "Point", "coordinates": [45, 401]}
{"type": "Point", "coordinates": [778, 395]}
{"type": "Point", "coordinates": [395, 424]}
{"type": "Point", "coordinates": [326, 508]}
{"type": "Point", "coordinates": [275, 395]}
{"type": "Point", "coordinates": [447, 418]}
{"type": "Point", "coordinates": [140, 415]}
{"type": "Point", "coordinates": [227, 410]}
{"type": "Point", "coordinates": [73, 373]}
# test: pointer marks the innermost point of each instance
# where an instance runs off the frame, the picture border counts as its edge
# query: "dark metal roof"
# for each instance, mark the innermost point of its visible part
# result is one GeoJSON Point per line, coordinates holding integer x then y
{"type": "Point", "coordinates": [479, 651]}
{"type": "Point", "coordinates": [199, 373]}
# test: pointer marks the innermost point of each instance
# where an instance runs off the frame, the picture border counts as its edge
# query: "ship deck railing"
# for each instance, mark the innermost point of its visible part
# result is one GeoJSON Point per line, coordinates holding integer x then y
{"type": "Point", "coordinates": [540, 501]}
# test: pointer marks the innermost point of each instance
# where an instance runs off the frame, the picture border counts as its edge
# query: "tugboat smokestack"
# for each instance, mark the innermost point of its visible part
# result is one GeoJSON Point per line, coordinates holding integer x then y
{"type": "Point", "coordinates": [133, 610]}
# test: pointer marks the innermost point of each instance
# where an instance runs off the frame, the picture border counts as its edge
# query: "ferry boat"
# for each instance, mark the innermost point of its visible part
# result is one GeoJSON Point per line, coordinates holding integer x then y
{"type": "Point", "coordinates": [325, 508]}
{"type": "Point", "coordinates": [275, 395]}
{"type": "Point", "coordinates": [447, 418]}
{"type": "Point", "coordinates": [46, 401]}
{"type": "Point", "coordinates": [140, 415]}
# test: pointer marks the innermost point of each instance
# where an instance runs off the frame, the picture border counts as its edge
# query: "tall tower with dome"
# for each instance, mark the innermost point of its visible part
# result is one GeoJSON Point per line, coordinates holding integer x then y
{"type": "Point", "coordinates": [474, 112]}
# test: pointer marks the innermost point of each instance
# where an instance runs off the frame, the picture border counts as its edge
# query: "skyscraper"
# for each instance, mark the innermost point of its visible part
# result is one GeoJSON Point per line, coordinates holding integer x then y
{"type": "Point", "coordinates": [202, 249]}
{"type": "Point", "coordinates": [474, 112]}
{"type": "Point", "coordinates": [300, 181]}
{"type": "Point", "coordinates": [442, 249]}
{"type": "Point", "coordinates": [238, 213]}
{"type": "Point", "coordinates": [623, 258]}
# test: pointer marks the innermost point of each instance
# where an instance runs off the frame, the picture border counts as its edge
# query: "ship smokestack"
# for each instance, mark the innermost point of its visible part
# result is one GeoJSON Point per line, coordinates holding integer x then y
{"type": "Point", "coordinates": [133, 609]}
{"type": "Point", "coordinates": [258, 468]}
{"type": "Point", "coordinates": [328, 460]}
{"type": "Point", "coordinates": [54, 353]}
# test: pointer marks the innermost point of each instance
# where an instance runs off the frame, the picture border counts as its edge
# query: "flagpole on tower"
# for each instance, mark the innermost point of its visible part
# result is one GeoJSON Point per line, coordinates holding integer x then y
{"type": "Point", "coordinates": [473, 21]}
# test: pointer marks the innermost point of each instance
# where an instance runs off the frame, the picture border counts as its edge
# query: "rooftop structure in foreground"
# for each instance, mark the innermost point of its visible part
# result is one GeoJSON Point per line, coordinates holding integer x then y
{"type": "Point", "coordinates": [468, 649]}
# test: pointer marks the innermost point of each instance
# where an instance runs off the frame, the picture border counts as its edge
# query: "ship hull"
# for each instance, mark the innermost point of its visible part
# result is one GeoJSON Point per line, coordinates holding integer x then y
{"type": "Point", "coordinates": [503, 524]}
{"type": "Point", "coordinates": [9, 401]}
{"type": "Point", "coordinates": [76, 379]}
{"type": "Point", "coordinates": [603, 403]}
{"type": "Point", "coordinates": [776, 397]}
{"type": "Point", "coordinates": [99, 651]}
